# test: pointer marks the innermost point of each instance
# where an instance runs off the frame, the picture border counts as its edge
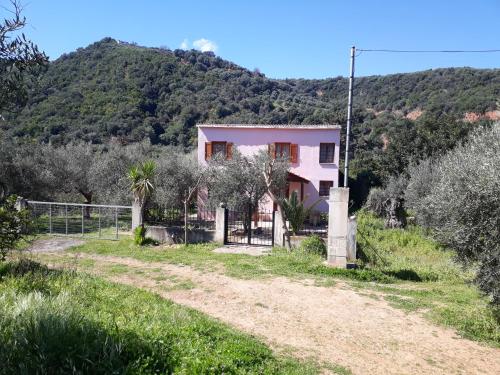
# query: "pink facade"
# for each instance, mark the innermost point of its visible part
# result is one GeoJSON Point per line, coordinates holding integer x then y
{"type": "Point", "coordinates": [308, 143]}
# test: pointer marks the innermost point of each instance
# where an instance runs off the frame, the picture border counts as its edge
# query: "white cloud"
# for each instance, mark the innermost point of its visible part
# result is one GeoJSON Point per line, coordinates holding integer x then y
{"type": "Point", "coordinates": [185, 44]}
{"type": "Point", "coordinates": [205, 45]}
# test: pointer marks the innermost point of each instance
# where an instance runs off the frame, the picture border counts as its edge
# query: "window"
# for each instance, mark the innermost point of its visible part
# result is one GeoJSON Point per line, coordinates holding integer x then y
{"type": "Point", "coordinates": [282, 150]}
{"type": "Point", "coordinates": [324, 188]}
{"type": "Point", "coordinates": [326, 152]}
{"type": "Point", "coordinates": [218, 148]}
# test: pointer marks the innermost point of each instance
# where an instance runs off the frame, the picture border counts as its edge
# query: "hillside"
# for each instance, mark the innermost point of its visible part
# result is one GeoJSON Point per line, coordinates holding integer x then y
{"type": "Point", "coordinates": [115, 89]}
{"type": "Point", "coordinates": [118, 92]}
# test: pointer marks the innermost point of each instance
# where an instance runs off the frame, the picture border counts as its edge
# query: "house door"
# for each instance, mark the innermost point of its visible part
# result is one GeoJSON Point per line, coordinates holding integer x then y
{"type": "Point", "coordinates": [249, 227]}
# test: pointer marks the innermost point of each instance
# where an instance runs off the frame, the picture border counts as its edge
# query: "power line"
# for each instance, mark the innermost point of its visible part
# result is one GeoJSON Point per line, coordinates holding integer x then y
{"type": "Point", "coordinates": [428, 51]}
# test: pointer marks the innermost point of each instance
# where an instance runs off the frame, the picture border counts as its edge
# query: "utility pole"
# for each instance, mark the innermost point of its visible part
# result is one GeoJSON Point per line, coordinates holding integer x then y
{"type": "Point", "coordinates": [349, 117]}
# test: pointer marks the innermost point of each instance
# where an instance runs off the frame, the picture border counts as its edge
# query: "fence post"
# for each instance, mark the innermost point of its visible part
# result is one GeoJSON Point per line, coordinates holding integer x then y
{"type": "Point", "coordinates": [116, 221]}
{"type": "Point", "coordinates": [99, 213]}
{"type": "Point", "coordinates": [83, 222]}
{"type": "Point", "coordinates": [337, 227]}
{"type": "Point", "coordinates": [50, 218]}
{"type": "Point", "coordinates": [220, 224]}
{"type": "Point", "coordinates": [66, 217]}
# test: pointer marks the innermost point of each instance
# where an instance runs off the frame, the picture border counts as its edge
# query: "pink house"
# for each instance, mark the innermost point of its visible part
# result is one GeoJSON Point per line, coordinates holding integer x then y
{"type": "Point", "coordinates": [313, 152]}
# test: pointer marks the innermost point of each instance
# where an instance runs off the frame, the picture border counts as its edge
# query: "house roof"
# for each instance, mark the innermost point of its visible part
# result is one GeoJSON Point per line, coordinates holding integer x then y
{"type": "Point", "coordinates": [292, 177]}
{"type": "Point", "coordinates": [272, 126]}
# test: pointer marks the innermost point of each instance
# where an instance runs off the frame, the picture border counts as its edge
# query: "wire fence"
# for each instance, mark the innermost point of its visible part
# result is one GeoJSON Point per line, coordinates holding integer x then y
{"type": "Point", "coordinates": [315, 225]}
{"type": "Point", "coordinates": [83, 220]}
{"type": "Point", "coordinates": [160, 215]}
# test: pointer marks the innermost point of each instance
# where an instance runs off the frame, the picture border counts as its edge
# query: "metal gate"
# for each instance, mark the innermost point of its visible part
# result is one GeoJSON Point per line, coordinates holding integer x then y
{"type": "Point", "coordinates": [83, 220]}
{"type": "Point", "coordinates": [249, 227]}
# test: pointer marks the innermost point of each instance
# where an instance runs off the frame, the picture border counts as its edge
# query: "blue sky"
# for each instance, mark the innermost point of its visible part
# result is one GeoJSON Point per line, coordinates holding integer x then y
{"type": "Point", "coordinates": [308, 38]}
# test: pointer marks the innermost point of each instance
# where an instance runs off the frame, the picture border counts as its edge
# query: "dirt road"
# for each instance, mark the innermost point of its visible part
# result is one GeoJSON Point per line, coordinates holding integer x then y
{"type": "Point", "coordinates": [333, 324]}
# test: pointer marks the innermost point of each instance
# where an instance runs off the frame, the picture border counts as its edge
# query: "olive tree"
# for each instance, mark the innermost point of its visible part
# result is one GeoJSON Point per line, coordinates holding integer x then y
{"type": "Point", "coordinates": [72, 172]}
{"type": "Point", "coordinates": [275, 173]}
{"type": "Point", "coordinates": [238, 182]}
{"type": "Point", "coordinates": [70, 167]}
{"type": "Point", "coordinates": [388, 202]}
{"type": "Point", "coordinates": [24, 170]}
{"type": "Point", "coordinates": [179, 178]}
{"type": "Point", "coordinates": [108, 173]}
{"type": "Point", "coordinates": [422, 179]}
{"type": "Point", "coordinates": [18, 57]}
{"type": "Point", "coordinates": [463, 205]}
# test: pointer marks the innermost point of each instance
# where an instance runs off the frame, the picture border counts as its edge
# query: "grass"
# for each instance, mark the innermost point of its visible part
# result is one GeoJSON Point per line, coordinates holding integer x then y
{"type": "Point", "coordinates": [409, 269]}
{"type": "Point", "coordinates": [405, 254]}
{"type": "Point", "coordinates": [295, 264]}
{"type": "Point", "coordinates": [435, 284]}
{"type": "Point", "coordinates": [62, 322]}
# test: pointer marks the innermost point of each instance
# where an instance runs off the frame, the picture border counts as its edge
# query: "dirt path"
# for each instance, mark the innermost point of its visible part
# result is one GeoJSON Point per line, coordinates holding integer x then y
{"type": "Point", "coordinates": [334, 324]}
{"type": "Point", "coordinates": [54, 244]}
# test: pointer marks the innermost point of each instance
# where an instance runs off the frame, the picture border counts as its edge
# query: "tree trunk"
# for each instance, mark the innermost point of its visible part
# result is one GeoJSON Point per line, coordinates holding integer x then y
{"type": "Point", "coordinates": [288, 244]}
{"type": "Point", "coordinates": [395, 217]}
{"type": "Point", "coordinates": [185, 222]}
{"type": "Point", "coordinates": [88, 200]}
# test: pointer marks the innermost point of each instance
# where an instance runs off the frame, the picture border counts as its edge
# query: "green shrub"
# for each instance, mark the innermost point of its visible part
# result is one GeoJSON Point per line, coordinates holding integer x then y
{"type": "Point", "coordinates": [12, 223]}
{"type": "Point", "coordinates": [296, 212]}
{"type": "Point", "coordinates": [140, 235]}
{"type": "Point", "coordinates": [314, 244]}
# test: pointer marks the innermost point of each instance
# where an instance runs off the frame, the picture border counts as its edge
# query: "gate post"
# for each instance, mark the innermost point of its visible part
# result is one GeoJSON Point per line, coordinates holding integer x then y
{"type": "Point", "coordinates": [337, 227]}
{"type": "Point", "coordinates": [278, 233]}
{"type": "Point", "coordinates": [249, 223]}
{"type": "Point", "coordinates": [220, 224]}
{"type": "Point", "coordinates": [272, 228]}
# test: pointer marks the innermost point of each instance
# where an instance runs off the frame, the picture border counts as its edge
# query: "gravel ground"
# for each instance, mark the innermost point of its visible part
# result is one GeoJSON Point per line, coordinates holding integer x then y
{"type": "Point", "coordinates": [335, 324]}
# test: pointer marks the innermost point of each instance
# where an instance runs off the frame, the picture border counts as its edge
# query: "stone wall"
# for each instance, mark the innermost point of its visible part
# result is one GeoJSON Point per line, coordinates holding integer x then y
{"type": "Point", "coordinates": [173, 235]}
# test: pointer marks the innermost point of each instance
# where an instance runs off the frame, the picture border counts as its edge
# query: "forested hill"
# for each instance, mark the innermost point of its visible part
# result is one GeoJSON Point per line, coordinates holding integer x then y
{"type": "Point", "coordinates": [120, 91]}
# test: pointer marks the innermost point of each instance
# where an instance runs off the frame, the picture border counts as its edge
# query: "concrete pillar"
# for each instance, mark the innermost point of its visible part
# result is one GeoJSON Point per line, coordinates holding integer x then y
{"type": "Point", "coordinates": [21, 204]}
{"type": "Point", "coordinates": [220, 224]}
{"type": "Point", "coordinates": [337, 227]}
{"type": "Point", "coordinates": [279, 234]}
{"type": "Point", "coordinates": [352, 227]}
{"type": "Point", "coordinates": [136, 214]}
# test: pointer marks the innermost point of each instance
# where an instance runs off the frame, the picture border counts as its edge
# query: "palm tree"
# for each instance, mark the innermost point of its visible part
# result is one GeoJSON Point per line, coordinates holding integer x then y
{"type": "Point", "coordinates": [142, 186]}
{"type": "Point", "coordinates": [296, 212]}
